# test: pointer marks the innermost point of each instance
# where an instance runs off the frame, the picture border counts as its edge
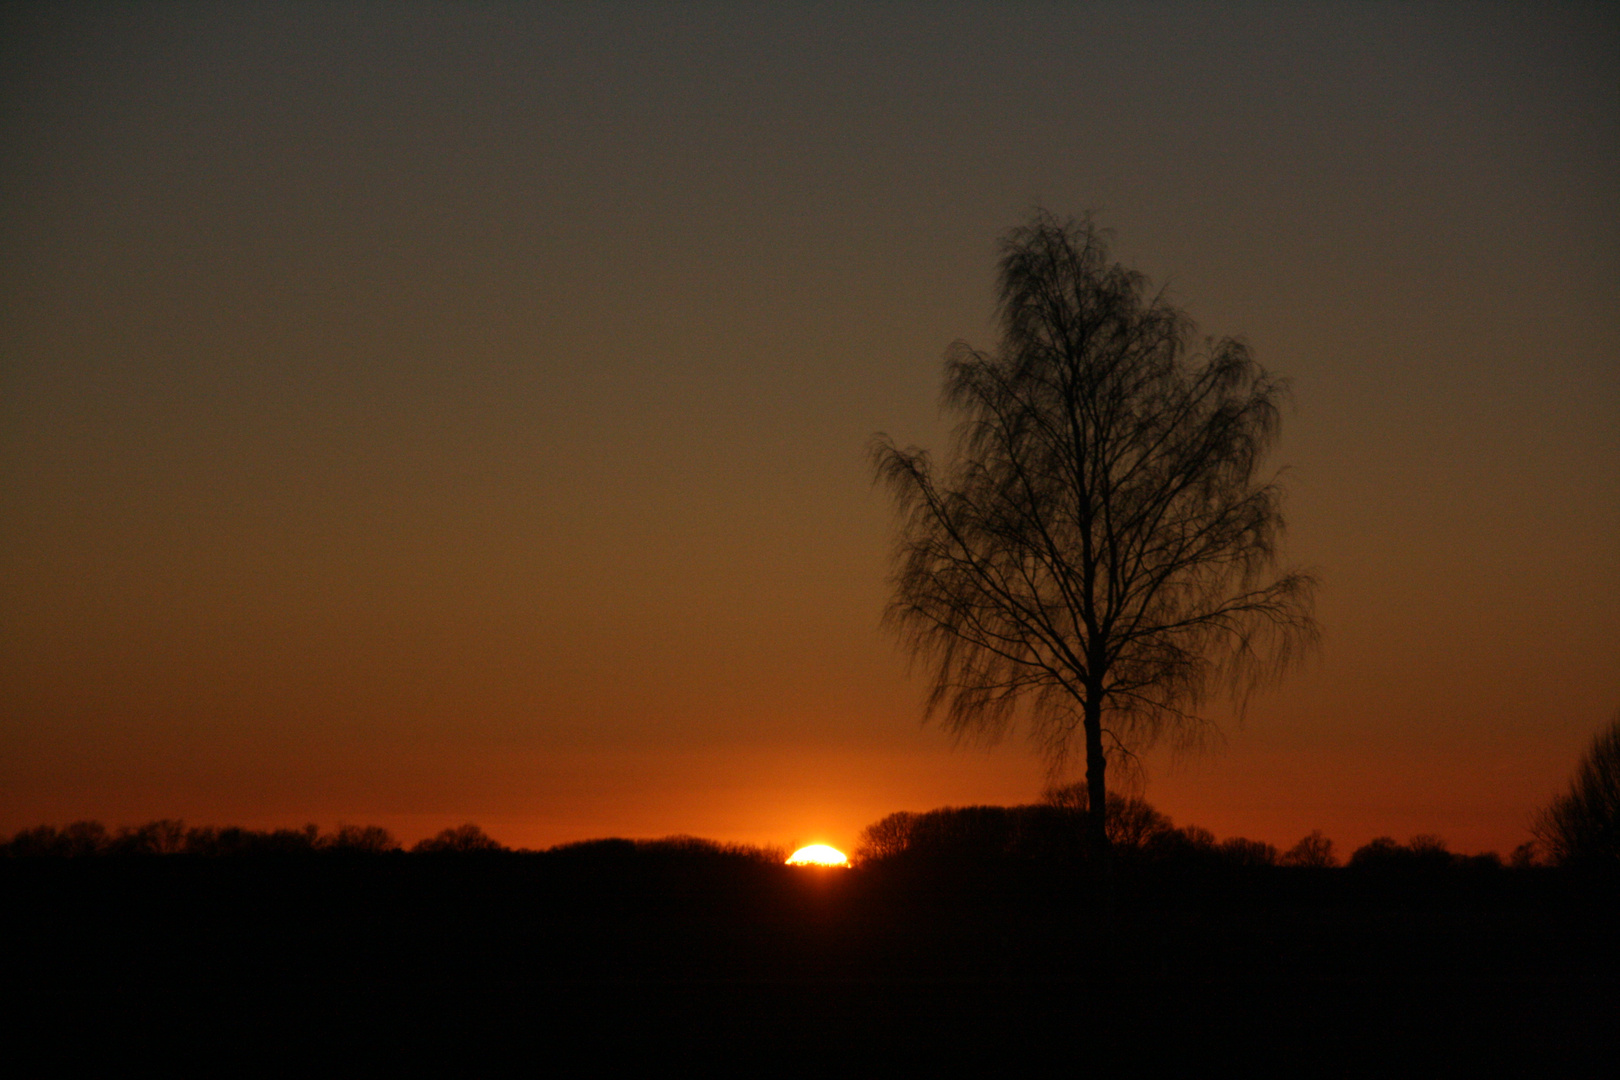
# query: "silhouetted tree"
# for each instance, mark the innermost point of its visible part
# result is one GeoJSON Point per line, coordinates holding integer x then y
{"type": "Point", "coordinates": [1100, 553]}
{"type": "Point", "coordinates": [1314, 850]}
{"type": "Point", "coordinates": [1185, 843]}
{"type": "Point", "coordinates": [1043, 831]}
{"type": "Point", "coordinates": [39, 840]}
{"type": "Point", "coordinates": [462, 840]}
{"type": "Point", "coordinates": [1240, 851]}
{"type": "Point", "coordinates": [1422, 852]}
{"type": "Point", "coordinates": [166, 837]}
{"type": "Point", "coordinates": [1583, 824]}
{"type": "Point", "coordinates": [976, 832]}
{"type": "Point", "coordinates": [696, 847]}
{"type": "Point", "coordinates": [1131, 822]}
{"type": "Point", "coordinates": [885, 839]}
{"type": "Point", "coordinates": [360, 840]}
{"type": "Point", "coordinates": [287, 841]}
{"type": "Point", "coordinates": [77, 839]}
{"type": "Point", "coordinates": [1430, 850]}
{"type": "Point", "coordinates": [1379, 851]}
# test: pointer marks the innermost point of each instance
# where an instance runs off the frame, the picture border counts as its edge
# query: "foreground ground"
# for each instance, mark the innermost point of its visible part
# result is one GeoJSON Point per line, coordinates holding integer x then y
{"type": "Point", "coordinates": [347, 963]}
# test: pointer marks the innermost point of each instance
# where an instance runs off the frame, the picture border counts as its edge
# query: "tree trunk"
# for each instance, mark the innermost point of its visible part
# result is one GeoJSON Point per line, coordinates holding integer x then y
{"type": "Point", "coordinates": [1096, 787]}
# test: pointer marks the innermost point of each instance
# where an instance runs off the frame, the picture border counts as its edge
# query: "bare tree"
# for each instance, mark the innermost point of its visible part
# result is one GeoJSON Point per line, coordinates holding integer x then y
{"type": "Point", "coordinates": [466, 839]}
{"type": "Point", "coordinates": [1314, 850]}
{"type": "Point", "coordinates": [1099, 555]}
{"type": "Point", "coordinates": [885, 839]}
{"type": "Point", "coordinates": [1583, 824]}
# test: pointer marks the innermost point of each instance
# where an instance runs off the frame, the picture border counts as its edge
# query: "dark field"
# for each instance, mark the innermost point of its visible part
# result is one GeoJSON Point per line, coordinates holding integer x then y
{"type": "Point", "coordinates": [348, 962]}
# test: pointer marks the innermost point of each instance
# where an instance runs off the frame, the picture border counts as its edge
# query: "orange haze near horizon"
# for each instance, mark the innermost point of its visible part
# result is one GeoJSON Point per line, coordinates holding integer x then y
{"type": "Point", "coordinates": [414, 415]}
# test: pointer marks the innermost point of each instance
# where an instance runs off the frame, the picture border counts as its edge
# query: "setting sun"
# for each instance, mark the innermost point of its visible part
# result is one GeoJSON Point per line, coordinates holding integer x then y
{"type": "Point", "coordinates": [818, 855]}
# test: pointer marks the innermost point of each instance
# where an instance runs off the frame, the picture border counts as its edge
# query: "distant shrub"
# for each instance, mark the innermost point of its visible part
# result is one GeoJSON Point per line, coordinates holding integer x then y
{"type": "Point", "coordinates": [1379, 851]}
{"type": "Point", "coordinates": [1198, 836]}
{"type": "Point", "coordinates": [669, 849]}
{"type": "Point", "coordinates": [1427, 845]}
{"type": "Point", "coordinates": [466, 839]}
{"type": "Point", "coordinates": [1525, 856]}
{"type": "Point", "coordinates": [1238, 851]}
{"type": "Point", "coordinates": [170, 837]}
{"type": "Point", "coordinates": [1132, 823]}
{"type": "Point", "coordinates": [885, 839]}
{"type": "Point", "coordinates": [1192, 843]}
{"type": "Point", "coordinates": [233, 840]}
{"type": "Point", "coordinates": [165, 837]}
{"type": "Point", "coordinates": [359, 840]}
{"type": "Point", "coordinates": [1422, 852]}
{"type": "Point", "coordinates": [610, 848]}
{"type": "Point", "coordinates": [77, 840]}
{"type": "Point", "coordinates": [1055, 829]}
{"type": "Point", "coordinates": [963, 832]}
{"type": "Point", "coordinates": [40, 840]}
{"type": "Point", "coordinates": [1314, 850]}
{"type": "Point", "coordinates": [695, 847]}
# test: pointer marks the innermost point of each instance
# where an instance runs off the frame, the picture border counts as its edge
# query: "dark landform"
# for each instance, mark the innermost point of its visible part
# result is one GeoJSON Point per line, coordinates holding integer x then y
{"type": "Point", "coordinates": [694, 954]}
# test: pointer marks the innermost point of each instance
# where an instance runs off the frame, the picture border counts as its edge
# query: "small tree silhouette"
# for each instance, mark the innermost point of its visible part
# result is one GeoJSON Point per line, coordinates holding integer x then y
{"type": "Point", "coordinates": [1423, 852]}
{"type": "Point", "coordinates": [1132, 822]}
{"type": "Point", "coordinates": [465, 839]}
{"type": "Point", "coordinates": [885, 839]}
{"type": "Point", "coordinates": [165, 837]}
{"type": "Point", "coordinates": [1314, 850]}
{"type": "Point", "coordinates": [1240, 851]}
{"type": "Point", "coordinates": [360, 840]}
{"type": "Point", "coordinates": [1583, 824]}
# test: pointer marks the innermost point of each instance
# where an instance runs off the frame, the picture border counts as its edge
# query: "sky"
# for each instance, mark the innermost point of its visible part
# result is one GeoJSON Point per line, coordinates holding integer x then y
{"type": "Point", "coordinates": [413, 414]}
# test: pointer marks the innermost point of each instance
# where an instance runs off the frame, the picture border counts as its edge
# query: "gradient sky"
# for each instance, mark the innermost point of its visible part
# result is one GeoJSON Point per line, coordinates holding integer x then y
{"type": "Point", "coordinates": [414, 414]}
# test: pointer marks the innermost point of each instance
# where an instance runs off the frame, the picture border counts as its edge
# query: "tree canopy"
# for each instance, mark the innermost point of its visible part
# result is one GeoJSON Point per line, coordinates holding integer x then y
{"type": "Point", "coordinates": [1101, 551]}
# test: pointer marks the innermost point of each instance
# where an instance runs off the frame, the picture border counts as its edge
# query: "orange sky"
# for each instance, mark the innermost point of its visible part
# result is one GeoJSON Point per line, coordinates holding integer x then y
{"type": "Point", "coordinates": [416, 414]}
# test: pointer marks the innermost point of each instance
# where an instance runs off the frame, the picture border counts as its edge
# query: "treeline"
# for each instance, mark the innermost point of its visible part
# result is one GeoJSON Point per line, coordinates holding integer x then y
{"type": "Point", "coordinates": [1054, 830]}
{"type": "Point", "coordinates": [169, 837]}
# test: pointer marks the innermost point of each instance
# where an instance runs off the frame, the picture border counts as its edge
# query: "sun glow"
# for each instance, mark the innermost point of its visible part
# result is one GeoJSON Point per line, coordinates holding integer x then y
{"type": "Point", "coordinates": [818, 855]}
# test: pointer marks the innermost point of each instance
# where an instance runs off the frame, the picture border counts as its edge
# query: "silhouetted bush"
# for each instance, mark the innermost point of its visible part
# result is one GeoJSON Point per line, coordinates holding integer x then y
{"type": "Point", "coordinates": [964, 832]}
{"type": "Point", "coordinates": [975, 832]}
{"type": "Point", "coordinates": [1189, 844]}
{"type": "Point", "coordinates": [696, 847]}
{"type": "Point", "coordinates": [610, 848]}
{"type": "Point", "coordinates": [41, 840]}
{"type": "Point", "coordinates": [165, 837]}
{"type": "Point", "coordinates": [1131, 822]}
{"type": "Point", "coordinates": [1238, 851]}
{"type": "Point", "coordinates": [1314, 850]}
{"type": "Point", "coordinates": [668, 849]}
{"type": "Point", "coordinates": [1422, 852]}
{"type": "Point", "coordinates": [1053, 830]}
{"type": "Point", "coordinates": [233, 841]}
{"type": "Point", "coordinates": [466, 839]}
{"type": "Point", "coordinates": [885, 839]}
{"type": "Point", "coordinates": [171, 837]}
{"type": "Point", "coordinates": [77, 840]}
{"type": "Point", "coordinates": [1583, 824]}
{"type": "Point", "coordinates": [360, 840]}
